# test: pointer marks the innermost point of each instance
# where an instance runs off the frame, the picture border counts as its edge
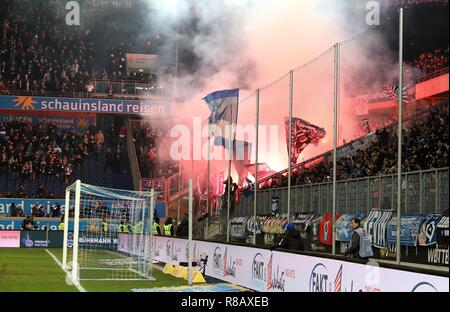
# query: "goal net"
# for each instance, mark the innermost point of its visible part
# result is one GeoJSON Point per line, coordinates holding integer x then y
{"type": "Point", "coordinates": [95, 220]}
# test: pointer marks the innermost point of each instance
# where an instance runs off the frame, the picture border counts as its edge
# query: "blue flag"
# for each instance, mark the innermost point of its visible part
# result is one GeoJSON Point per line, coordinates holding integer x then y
{"type": "Point", "coordinates": [223, 105]}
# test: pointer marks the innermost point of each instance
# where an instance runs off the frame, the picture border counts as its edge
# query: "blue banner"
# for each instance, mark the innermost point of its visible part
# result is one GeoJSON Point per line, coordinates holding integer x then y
{"type": "Point", "coordinates": [154, 107]}
{"type": "Point", "coordinates": [53, 224]}
{"type": "Point", "coordinates": [343, 226]}
{"type": "Point", "coordinates": [409, 230]}
{"type": "Point", "coordinates": [76, 124]}
{"type": "Point", "coordinates": [26, 205]}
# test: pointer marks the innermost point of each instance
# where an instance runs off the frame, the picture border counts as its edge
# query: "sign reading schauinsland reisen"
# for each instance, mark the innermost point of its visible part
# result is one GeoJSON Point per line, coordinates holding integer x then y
{"type": "Point", "coordinates": [154, 107]}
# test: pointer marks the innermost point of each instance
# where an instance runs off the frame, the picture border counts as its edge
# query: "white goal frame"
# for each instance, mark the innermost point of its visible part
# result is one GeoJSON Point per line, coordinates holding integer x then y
{"type": "Point", "coordinates": [75, 189]}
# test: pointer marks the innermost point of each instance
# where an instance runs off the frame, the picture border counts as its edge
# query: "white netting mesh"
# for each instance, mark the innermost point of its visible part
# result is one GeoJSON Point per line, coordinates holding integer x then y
{"type": "Point", "coordinates": [104, 215]}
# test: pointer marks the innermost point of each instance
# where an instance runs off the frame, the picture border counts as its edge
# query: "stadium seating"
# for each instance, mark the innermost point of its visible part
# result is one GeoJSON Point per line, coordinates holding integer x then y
{"type": "Point", "coordinates": [92, 167]}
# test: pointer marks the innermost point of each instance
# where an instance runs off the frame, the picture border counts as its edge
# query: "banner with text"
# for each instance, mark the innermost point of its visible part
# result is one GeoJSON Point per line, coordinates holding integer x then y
{"type": "Point", "coordinates": [76, 124]}
{"type": "Point", "coordinates": [154, 107]}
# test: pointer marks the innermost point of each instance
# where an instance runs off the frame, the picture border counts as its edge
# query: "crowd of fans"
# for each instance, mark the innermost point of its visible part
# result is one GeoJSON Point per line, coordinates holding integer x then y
{"type": "Point", "coordinates": [431, 62]}
{"type": "Point", "coordinates": [152, 148]}
{"type": "Point", "coordinates": [425, 146]}
{"type": "Point", "coordinates": [42, 55]}
{"type": "Point", "coordinates": [42, 151]}
{"type": "Point", "coordinates": [46, 55]}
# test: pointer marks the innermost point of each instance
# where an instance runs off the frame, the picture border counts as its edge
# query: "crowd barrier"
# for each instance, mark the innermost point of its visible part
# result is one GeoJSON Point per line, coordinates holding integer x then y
{"type": "Point", "coordinates": [266, 270]}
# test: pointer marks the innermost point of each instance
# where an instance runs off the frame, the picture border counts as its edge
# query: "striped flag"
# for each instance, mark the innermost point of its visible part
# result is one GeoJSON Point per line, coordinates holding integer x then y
{"type": "Point", "coordinates": [225, 262]}
{"type": "Point", "coordinates": [338, 281]}
{"type": "Point", "coordinates": [303, 134]}
{"type": "Point", "coordinates": [269, 273]}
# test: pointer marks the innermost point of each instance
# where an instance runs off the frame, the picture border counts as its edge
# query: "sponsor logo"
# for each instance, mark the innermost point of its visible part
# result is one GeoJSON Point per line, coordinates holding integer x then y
{"type": "Point", "coordinates": [230, 264]}
{"type": "Point", "coordinates": [259, 272]}
{"type": "Point", "coordinates": [28, 242]}
{"type": "Point", "coordinates": [24, 102]}
{"type": "Point", "coordinates": [83, 123]}
{"type": "Point", "coordinates": [277, 280]}
{"type": "Point", "coordinates": [319, 280]}
{"type": "Point", "coordinates": [98, 240]}
{"type": "Point", "coordinates": [424, 287]}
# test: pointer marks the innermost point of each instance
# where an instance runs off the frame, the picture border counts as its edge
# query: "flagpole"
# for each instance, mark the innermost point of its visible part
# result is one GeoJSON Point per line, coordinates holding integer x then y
{"type": "Point", "coordinates": [291, 100]}
{"type": "Point", "coordinates": [335, 135]}
{"type": "Point", "coordinates": [209, 177]}
{"type": "Point", "coordinates": [179, 188]}
{"type": "Point", "coordinates": [399, 149]}
{"type": "Point", "coordinates": [229, 174]}
{"type": "Point", "coordinates": [256, 168]}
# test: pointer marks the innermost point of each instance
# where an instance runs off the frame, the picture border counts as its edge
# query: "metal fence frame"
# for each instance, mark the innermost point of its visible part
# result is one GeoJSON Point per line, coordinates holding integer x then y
{"type": "Point", "coordinates": [421, 193]}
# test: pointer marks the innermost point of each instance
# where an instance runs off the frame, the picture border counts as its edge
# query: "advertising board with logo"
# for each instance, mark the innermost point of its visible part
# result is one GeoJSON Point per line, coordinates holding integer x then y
{"type": "Point", "coordinates": [41, 239]}
{"type": "Point", "coordinates": [77, 124]}
{"type": "Point", "coordinates": [9, 239]}
{"type": "Point", "coordinates": [274, 271]}
{"type": "Point", "coordinates": [154, 107]}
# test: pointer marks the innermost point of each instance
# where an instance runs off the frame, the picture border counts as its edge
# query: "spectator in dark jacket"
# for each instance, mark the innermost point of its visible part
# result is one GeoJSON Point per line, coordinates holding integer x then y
{"type": "Point", "coordinates": [28, 223]}
{"type": "Point", "coordinates": [183, 227]}
{"type": "Point", "coordinates": [291, 239]}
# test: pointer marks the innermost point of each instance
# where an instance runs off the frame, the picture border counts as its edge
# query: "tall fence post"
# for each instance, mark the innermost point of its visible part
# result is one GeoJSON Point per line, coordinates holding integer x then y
{"type": "Point", "coordinates": [400, 116]}
{"type": "Point", "coordinates": [291, 100]}
{"type": "Point", "coordinates": [436, 192]}
{"type": "Point", "coordinates": [256, 168]}
{"type": "Point", "coordinates": [335, 136]}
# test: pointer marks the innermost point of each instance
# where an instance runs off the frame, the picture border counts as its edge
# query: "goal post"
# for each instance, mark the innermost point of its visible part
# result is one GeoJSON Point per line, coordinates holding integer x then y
{"type": "Point", "coordinates": [96, 219]}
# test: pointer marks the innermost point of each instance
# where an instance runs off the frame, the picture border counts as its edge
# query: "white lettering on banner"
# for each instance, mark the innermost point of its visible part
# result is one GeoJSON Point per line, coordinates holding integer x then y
{"type": "Point", "coordinates": [319, 279]}
{"type": "Point", "coordinates": [306, 273]}
{"type": "Point", "coordinates": [438, 256]}
{"type": "Point", "coordinates": [97, 240]}
{"type": "Point", "coordinates": [259, 272]}
{"type": "Point", "coordinates": [147, 108]}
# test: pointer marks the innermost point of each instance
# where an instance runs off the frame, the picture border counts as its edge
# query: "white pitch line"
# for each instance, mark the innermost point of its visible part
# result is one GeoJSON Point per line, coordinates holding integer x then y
{"type": "Point", "coordinates": [79, 287]}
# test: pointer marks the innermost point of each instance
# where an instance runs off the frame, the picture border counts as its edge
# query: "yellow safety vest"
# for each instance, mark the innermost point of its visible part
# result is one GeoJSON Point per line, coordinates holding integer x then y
{"type": "Point", "coordinates": [61, 226]}
{"type": "Point", "coordinates": [104, 227]}
{"type": "Point", "coordinates": [155, 228]}
{"type": "Point", "coordinates": [123, 228]}
{"type": "Point", "coordinates": [167, 229]}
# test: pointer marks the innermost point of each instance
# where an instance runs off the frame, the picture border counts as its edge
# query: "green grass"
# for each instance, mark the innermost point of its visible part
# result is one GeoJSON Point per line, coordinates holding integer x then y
{"type": "Point", "coordinates": [35, 270]}
{"type": "Point", "coordinates": [30, 270]}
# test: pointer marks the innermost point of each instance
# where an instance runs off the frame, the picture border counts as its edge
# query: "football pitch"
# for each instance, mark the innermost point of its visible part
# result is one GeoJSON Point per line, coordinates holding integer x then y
{"type": "Point", "coordinates": [39, 270]}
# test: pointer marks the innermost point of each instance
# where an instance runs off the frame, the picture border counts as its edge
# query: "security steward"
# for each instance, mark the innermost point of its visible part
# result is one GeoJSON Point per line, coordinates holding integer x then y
{"type": "Point", "coordinates": [156, 227]}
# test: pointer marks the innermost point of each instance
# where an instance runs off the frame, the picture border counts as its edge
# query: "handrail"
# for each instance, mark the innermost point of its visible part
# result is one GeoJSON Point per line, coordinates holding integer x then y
{"type": "Point", "coordinates": [405, 173]}
{"type": "Point", "coordinates": [304, 163]}
{"type": "Point", "coordinates": [432, 75]}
